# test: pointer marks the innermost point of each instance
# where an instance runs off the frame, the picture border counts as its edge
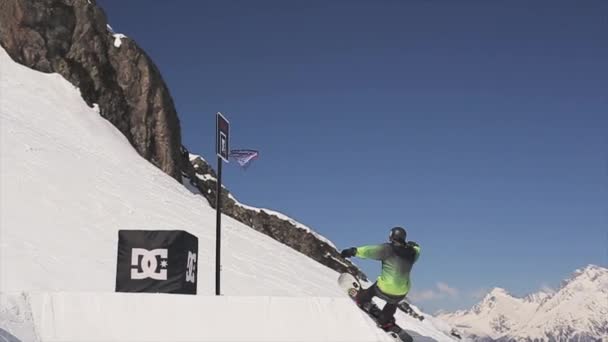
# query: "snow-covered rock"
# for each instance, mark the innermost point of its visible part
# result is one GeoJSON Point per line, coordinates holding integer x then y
{"type": "Point", "coordinates": [118, 39]}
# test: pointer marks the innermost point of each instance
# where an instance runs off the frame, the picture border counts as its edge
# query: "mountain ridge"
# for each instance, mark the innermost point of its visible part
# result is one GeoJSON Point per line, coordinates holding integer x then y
{"type": "Point", "coordinates": [578, 310]}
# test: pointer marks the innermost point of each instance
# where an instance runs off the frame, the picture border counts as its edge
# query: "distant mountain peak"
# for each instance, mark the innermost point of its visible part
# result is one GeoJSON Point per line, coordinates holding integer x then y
{"type": "Point", "coordinates": [590, 270]}
{"type": "Point", "coordinates": [499, 291]}
{"type": "Point", "coordinates": [589, 273]}
{"type": "Point", "coordinates": [539, 297]}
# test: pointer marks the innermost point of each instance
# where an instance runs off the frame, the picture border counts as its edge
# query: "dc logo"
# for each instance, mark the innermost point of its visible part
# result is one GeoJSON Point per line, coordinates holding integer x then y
{"type": "Point", "coordinates": [191, 268]}
{"type": "Point", "coordinates": [149, 263]}
{"type": "Point", "coordinates": [223, 143]}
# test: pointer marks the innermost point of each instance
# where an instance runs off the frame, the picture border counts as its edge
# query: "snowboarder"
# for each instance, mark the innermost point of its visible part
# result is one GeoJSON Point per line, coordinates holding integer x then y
{"type": "Point", "coordinates": [393, 284]}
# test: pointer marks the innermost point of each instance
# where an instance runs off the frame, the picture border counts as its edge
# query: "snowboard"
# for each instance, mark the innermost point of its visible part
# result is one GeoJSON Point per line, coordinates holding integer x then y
{"type": "Point", "coordinates": [351, 285]}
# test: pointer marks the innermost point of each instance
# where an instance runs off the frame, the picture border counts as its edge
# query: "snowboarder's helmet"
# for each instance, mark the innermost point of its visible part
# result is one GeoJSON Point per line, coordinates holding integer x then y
{"type": "Point", "coordinates": [397, 234]}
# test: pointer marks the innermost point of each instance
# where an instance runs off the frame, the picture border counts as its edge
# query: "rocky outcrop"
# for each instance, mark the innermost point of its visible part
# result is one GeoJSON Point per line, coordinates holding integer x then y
{"type": "Point", "coordinates": [72, 38]}
{"type": "Point", "coordinates": [204, 179]}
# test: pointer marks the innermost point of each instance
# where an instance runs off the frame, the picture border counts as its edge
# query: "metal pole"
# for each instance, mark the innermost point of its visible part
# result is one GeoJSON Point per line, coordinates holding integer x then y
{"type": "Point", "coordinates": [218, 230]}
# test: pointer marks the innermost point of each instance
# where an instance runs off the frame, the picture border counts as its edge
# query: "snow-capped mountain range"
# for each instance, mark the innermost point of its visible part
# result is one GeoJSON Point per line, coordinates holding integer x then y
{"type": "Point", "coordinates": [578, 311]}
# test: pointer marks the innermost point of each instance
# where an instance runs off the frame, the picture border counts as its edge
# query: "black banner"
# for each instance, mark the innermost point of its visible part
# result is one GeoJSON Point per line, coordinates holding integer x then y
{"type": "Point", "coordinates": [157, 261]}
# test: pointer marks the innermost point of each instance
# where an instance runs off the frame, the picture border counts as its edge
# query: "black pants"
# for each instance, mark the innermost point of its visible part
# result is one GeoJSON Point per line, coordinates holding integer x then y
{"type": "Point", "coordinates": [388, 311]}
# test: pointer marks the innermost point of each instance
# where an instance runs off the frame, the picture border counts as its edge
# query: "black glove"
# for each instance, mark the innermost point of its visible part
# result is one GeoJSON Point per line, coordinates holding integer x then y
{"type": "Point", "coordinates": [412, 244]}
{"type": "Point", "coordinates": [349, 252]}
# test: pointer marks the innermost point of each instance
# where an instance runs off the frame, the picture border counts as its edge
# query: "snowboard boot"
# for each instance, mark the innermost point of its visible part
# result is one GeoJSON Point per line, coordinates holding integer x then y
{"type": "Point", "coordinates": [386, 324]}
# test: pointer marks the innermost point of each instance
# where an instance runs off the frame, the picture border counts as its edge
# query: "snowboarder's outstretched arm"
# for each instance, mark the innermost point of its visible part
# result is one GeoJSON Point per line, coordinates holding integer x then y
{"type": "Point", "coordinates": [376, 252]}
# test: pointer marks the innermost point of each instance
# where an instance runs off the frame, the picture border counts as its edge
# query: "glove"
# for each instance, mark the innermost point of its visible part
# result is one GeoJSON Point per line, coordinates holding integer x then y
{"type": "Point", "coordinates": [412, 244]}
{"type": "Point", "coordinates": [349, 252]}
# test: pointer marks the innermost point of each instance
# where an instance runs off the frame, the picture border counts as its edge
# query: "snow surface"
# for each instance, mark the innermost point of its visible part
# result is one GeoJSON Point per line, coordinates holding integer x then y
{"type": "Point", "coordinates": [69, 180]}
{"type": "Point", "coordinates": [207, 177]}
{"type": "Point", "coordinates": [155, 317]}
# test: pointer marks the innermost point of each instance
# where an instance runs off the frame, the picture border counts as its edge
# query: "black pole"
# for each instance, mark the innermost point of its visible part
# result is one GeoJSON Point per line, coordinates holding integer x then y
{"type": "Point", "coordinates": [218, 230]}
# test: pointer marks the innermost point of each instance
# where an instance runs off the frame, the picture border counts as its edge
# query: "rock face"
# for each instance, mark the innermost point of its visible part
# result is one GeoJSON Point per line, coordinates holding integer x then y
{"type": "Point", "coordinates": [72, 38]}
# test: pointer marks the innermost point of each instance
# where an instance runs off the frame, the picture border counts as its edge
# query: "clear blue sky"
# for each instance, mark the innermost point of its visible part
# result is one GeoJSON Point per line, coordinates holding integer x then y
{"type": "Point", "coordinates": [479, 126]}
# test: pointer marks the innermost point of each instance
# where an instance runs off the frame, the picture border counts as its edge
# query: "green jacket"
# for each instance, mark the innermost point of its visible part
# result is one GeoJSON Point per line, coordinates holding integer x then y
{"type": "Point", "coordinates": [397, 262]}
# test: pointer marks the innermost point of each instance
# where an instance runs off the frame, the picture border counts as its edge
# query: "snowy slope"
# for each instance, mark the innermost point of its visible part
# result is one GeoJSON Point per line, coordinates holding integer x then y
{"type": "Point", "coordinates": [69, 181]}
{"type": "Point", "coordinates": [579, 309]}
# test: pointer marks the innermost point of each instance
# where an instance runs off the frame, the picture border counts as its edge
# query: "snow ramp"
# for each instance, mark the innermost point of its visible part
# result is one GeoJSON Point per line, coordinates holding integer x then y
{"type": "Point", "coordinates": [83, 317]}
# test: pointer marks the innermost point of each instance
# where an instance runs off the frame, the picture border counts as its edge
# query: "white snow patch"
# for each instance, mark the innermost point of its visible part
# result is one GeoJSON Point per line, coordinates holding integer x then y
{"type": "Point", "coordinates": [328, 255]}
{"type": "Point", "coordinates": [117, 39]}
{"type": "Point", "coordinates": [206, 177]}
{"type": "Point", "coordinates": [195, 156]}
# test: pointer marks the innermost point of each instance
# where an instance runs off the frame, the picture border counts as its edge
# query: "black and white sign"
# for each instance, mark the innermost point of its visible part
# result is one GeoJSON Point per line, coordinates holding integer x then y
{"type": "Point", "coordinates": [157, 261]}
{"type": "Point", "coordinates": [222, 140]}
